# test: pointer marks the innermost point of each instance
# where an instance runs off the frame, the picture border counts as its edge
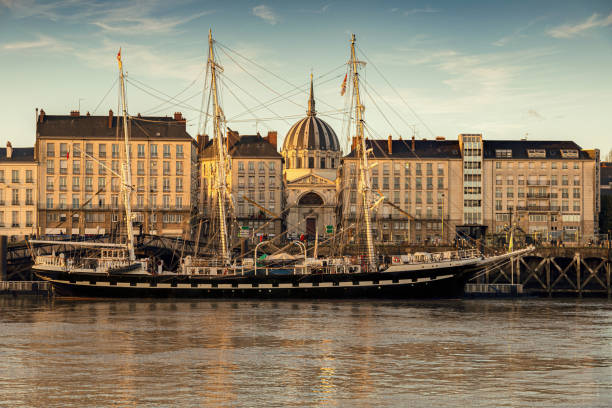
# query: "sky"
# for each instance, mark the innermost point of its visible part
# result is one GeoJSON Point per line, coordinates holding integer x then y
{"type": "Point", "coordinates": [508, 70]}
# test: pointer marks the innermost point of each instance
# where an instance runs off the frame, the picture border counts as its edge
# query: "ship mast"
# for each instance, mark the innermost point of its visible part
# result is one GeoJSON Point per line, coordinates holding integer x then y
{"type": "Point", "coordinates": [362, 153]}
{"type": "Point", "coordinates": [126, 169]}
{"type": "Point", "coordinates": [220, 184]}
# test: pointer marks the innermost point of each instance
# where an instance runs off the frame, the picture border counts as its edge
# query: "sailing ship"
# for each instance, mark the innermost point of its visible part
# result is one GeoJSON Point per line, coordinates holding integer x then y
{"type": "Point", "coordinates": [117, 273]}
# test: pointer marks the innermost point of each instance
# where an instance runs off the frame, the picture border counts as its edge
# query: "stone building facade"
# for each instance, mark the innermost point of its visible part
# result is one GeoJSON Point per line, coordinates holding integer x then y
{"type": "Point", "coordinates": [255, 173]}
{"type": "Point", "coordinates": [79, 164]}
{"type": "Point", "coordinates": [18, 193]}
{"type": "Point", "coordinates": [549, 189]}
{"type": "Point", "coordinates": [421, 179]}
{"type": "Point", "coordinates": [312, 156]}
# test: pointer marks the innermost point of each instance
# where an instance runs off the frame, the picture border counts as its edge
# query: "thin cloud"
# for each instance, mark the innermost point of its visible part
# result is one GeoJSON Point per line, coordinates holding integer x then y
{"type": "Point", "coordinates": [420, 10]}
{"type": "Point", "coordinates": [49, 43]}
{"type": "Point", "coordinates": [266, 14]}
{"type": "Point", "coordinates": [322, 10]}
{"type": "Point", "coordinates": [518, 33]}
{"type": "Point", "coordinates": [126, 23]}
{"type": "Point", "coordinates": [569, 30]}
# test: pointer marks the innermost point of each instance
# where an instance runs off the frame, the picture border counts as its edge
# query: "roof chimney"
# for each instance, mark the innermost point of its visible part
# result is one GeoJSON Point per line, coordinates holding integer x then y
{"type": "Point", "coordinates": [178, 116]}
{"type": "Point", "coordinates": [75, 113]}
{"type": "Point", "coordinates": [413, 142]}
{"type": "Point", "coordinates": [232, 138]}
{"type": "Point", "coordinates": [354, 143]}
{"type": "Point", "coordinates": [41, 117]}
{"type": "Point", "coordinates": [271, 138]}
{"type": "Point", "coordinates": [9, 150]}
{"type": "Point", "coordinates": [390, 145]}
{"type": "Point", "coordinates": [440, 138]}
{"type": "Point", "coordinates": [110, 118]}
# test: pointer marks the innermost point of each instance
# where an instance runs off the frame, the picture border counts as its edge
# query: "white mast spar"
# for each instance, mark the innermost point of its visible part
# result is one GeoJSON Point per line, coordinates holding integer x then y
{"type": "Point", "coordinates": [126, 169]}
{"type": "Point", "coordinates": [364, 170]}
{"type": "Point", "coordinates": [220, 185]}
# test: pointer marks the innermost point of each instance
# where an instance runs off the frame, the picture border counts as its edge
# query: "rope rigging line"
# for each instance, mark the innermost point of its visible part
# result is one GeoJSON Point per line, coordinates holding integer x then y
{"type": "Point", "coordinates": [258, 80]}
{"type": "Point", "coordinates": [253, 97]}
{"type": "Point", "coordinates": [183, 105]}
{"type": "Point", "coordinates": [397, 93]}
{"type": "Point", "coordinates": [241, 103]}
{"type": "Point", "coordinates": [291, 93]}
{"type": "Point", "coordinates": [105, 95]}
{"type": "Point", "coordinates": [157, 107]}
{"type": "Point", "coordinates": [270, 72]}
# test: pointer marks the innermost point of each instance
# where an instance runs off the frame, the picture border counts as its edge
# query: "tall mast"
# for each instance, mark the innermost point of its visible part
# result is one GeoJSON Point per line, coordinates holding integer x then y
{"type": "Point", "coordinates": [126, 169]}
{"type": "Point", "coordinates": [364, 169]}
{"type": "Point", "coordinates": [220, 185]}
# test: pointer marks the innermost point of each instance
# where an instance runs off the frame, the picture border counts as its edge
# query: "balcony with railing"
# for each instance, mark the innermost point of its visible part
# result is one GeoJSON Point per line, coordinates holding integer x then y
{"type": "Point", "coordinates": [538, 182]}
{"type": "Point", "coordinates": [538, 195]}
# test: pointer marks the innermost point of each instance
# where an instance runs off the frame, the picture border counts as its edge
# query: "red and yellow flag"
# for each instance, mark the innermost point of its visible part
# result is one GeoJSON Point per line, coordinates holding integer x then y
{"type": "Point", "coordinates": [343, 87]}
{"type": "Point", "coordinates": [119, 59]}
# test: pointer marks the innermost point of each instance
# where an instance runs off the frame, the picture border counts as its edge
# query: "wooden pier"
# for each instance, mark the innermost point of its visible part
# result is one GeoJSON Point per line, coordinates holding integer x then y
{"type": "Point", "coordinates": [25, 288]}
{"type": "Point", "coordinates": [556, 274]}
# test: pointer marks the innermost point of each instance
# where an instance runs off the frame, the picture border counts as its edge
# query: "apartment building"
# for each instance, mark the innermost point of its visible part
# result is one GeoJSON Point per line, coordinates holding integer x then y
{"type": "Point", "coordinates": [79, 161]}
{"type": "Point", "coordinates": [18, 193]}
{"type": "Point", "coordinates": [550, 189]}
{"type": "Point", "coordinates": [255, 173]}
{"type": "Point", "coordinates": [422, 181]}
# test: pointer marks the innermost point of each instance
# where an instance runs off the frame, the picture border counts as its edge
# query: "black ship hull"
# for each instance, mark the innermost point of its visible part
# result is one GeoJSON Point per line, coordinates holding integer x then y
{"type": "Point", "coordinates": [424, 283]}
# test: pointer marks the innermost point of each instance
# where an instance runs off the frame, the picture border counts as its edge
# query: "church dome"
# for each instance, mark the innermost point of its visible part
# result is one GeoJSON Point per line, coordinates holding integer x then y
{"type": "Point", "coordinates": [311, 133]}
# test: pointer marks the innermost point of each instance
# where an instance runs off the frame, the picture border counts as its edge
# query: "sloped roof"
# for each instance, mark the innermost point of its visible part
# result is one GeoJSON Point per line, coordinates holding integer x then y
{"type": "Point", "coordinates": [605, 175]}
{"type": "Point", "coordinates": [20, 154]}
{"type": "Point", "coordinates": [519, 148]}
{"type": "Point", "coordinates": [402, 149]}
{"type": "Point", "coordinates": [246, 146]}
{"type": "Point", "coordinates": [146, 127]}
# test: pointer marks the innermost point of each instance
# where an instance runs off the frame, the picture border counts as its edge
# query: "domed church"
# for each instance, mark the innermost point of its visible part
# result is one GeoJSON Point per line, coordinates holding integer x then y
{"type": "Point", "coordinates": [312, 155]}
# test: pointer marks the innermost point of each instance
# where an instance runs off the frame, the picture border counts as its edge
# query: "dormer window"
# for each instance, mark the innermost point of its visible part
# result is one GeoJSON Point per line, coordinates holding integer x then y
{"type": "Point", "coordinates": [536, 153]}
{"type": "Point", "coordinates": [569, 153]}
{"type": "Point", "coordinates": [503, 153]}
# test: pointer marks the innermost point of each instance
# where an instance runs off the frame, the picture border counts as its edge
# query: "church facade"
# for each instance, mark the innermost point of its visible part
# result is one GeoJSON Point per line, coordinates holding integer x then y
{"type": "Point", "coordinates": [311, 154]}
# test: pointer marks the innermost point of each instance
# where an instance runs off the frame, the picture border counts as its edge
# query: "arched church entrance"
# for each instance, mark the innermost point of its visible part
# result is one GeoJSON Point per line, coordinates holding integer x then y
{"type": "Point", "coordinates": [311, 202]}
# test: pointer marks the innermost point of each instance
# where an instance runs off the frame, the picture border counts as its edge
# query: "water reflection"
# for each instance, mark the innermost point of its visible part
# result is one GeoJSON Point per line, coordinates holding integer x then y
{"type": "Point", "coordinates": [326, 353]}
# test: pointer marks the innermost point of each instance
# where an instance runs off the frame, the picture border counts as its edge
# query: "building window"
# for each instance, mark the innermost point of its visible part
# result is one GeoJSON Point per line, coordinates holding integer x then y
{"type": "Point", "coordinates": [179, 184]}
{"type": "Point", "coordinates": [88, 167]}
{"type": "Point", "coordinates": [179, 151]}
{"type": "Point", "coordinates": [166, 151]}
{"type": "Point", "coordinates": [153, 151]}
{"type": "Point", "coordinates": [89, 149]}
{"type": "Point", "coordinates": [50, 149]}
{"type": "Point", "coordinates": [322, 162]}
{"type": "Point", "coordinates": [179, 168]}
{"type": "Point", "coordinates": [102, 150]}
{"type": "Point", "coordinates": [251, 167]}
{"type": "Point", "coordinates": [240, 166]}
{"type": "Point", "coordinates": [311, 162]}
{"type": "Point", "coordinates": [15, 176]}
{"type": "Point", "coordinates": [50, 167]}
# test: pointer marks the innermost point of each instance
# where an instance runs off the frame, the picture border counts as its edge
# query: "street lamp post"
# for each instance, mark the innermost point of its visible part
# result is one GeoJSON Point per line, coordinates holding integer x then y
{"type": "Point", "coordinates": [301, 244]}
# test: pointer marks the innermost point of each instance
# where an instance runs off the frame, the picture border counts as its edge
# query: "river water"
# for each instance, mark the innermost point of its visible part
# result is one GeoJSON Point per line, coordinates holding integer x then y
{"type": "Point", "coordinates": [480, 353]}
